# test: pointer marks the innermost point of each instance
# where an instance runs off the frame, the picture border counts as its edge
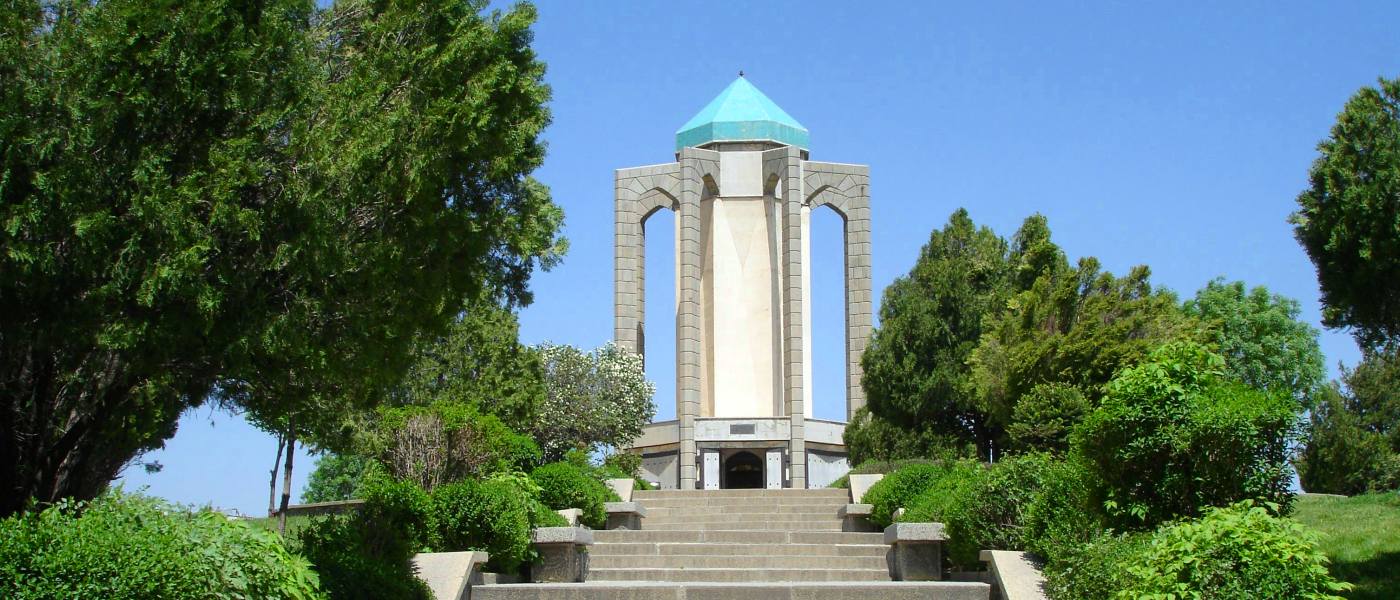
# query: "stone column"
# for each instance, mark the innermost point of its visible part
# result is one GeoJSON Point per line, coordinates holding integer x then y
{"type": "Point", "coordinates": [628, 263]}
{"type": "Point", "coordinates": [858, 293]}
{"type": "Point", "coordinates": [699, 169]}
{"type": "Point", "coordinates": [794, 328]}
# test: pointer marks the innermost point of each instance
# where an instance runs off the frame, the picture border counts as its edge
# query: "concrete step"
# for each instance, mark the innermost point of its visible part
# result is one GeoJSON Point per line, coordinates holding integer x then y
{"type": "Point", "coordinates": [738, 575]}
{"type": "Point", "coordinates": [724, 549]}
{"type": "Point", "coordinates": [783, 493]}
{"type": "Point", "coordinates": [717, 516]}
{"type": "Point", "coordinates": [862, 590]}
{"type": "Point", "coordinates": [625, 561]}
{"type": "Point", "coordinates": [826, 525]}
{"type": "Point", "coordinates": [744, 509]}
{"type": "Point", "coordinates": [739, 502]}
{"type": "Point", "coordinates": [696, 536]}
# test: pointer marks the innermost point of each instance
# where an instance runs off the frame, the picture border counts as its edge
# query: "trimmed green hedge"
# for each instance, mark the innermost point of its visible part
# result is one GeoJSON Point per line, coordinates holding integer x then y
{"type": "Point", "coordinates": [899, 489]}
{"type": "Point", "coordinates": [567, 485]}
{"type": "Point", "coordinates": [122, 546]}
{"type": "Point", "coordinates": [493, 516]}
{"type": "Point", "coordinates": [988, 510]}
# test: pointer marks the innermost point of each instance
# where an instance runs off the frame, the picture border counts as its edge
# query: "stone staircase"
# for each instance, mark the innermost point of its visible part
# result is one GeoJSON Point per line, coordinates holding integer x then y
{"type": "Point", "coordinates": [762, 544]}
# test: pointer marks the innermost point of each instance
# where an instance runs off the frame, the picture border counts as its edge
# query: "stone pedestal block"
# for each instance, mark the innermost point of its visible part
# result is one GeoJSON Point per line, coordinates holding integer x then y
{"type": "Point", "coordinates": [916, 551]}
{"type": "Point", "coordinates": [625, 515]}
{"type": "Point", "coordinates": [563, 554]}
{"type": "Point", "coordinates": [856, 517]}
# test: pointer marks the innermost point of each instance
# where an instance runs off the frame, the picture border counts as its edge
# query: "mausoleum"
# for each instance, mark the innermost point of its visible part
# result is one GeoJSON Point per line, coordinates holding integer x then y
{"type": "Point", "coordinates": [743, 191]}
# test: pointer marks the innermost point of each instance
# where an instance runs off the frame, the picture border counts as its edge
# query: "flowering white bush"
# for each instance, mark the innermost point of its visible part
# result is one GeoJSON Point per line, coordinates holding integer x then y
{"type": "Point", "coordinates": [597, 400]}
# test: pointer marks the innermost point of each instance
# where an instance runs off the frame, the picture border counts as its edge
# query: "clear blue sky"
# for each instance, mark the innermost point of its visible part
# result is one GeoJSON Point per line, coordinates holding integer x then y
{"type": "Point", "coordinates": [1168, 134]}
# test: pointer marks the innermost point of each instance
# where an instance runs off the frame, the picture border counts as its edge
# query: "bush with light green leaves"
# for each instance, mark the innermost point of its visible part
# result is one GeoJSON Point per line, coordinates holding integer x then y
{"type": "Point", "coordinates": [1242, 551]}
{"type": "Point", "coordinates": [121, 546]}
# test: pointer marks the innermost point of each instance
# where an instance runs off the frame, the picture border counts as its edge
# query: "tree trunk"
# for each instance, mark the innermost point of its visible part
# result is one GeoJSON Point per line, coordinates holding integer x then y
{"type": "Point", "coordinates": [272, 477]}
{"type": "Point", "coordinates": [287, 476]}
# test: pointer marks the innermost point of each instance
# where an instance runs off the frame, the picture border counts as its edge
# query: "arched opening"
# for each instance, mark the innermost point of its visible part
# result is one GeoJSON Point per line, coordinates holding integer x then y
{"type": "Point", "coordinates": [658, 335]}
{"type": "Point", "coordinates": [743, 471]}
{"type": "Point", "coordinates": [827, 259]}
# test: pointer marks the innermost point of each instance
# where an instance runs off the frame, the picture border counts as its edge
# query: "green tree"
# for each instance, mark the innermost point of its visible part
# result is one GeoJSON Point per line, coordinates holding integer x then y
{"type": "Point", "coordinates": [1067, 325]}
{"type": "Point", "coordinates": [481, 362]}
{"type": "Point", "coordinates": [1044, 417]}
{"type": "Point", "coordinates": [209, 196]}
{"type": "Point", "coordinates": [336, 477]}
{"type": "Point", "coordinates": [1353, 441]}
{"type": "Point", "coordinates": [597, 400]}
{"type": "Point", "coordinates": [915, 369]}
{"type": "Point", "coordinates": [1260, 336]}
{"type": "Point", "coordinates": [1374, 393]}
{"type": "Point", "coordinates": [1348, 218]}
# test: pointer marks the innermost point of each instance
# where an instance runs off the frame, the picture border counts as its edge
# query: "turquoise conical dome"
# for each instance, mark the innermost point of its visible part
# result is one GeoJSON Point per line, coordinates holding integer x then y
{"type": "Point", "coordinates": [741, 113]}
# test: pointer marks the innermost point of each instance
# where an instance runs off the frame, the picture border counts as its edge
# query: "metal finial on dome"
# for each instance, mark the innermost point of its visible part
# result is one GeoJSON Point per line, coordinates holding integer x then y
{"type": "Point", "coordinates": [741, 72]}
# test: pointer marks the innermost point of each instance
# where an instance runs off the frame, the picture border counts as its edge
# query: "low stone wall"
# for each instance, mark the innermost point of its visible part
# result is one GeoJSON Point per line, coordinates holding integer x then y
{"type": "Point", "coordinates": [316, 509]}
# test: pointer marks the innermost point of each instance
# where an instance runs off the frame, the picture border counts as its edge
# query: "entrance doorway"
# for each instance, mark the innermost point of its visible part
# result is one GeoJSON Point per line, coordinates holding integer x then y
{"type": "Point", "coordinates": [743, 470]}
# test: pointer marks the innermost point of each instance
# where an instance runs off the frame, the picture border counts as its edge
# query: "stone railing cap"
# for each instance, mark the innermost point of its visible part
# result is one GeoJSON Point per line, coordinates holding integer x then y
{"type": "Point", "coordinates": [1016, 573]}
{"type": "Point", "coordinates": [448, 573]}
{"type": "Point", "coordinates": [622, 487]}
{"type": "Point", "coordinates": [625, 507]}
{"type": "Point", "coordinates": [856, 510]}
{"type": "Point", "coordinates": [915, 532]}
{"type": "Point", "coordinates": [571, 515]}
{"type": "Point", "coordinates": [860, 484]}
{"type": "Point", "coordinates": [578, 536]}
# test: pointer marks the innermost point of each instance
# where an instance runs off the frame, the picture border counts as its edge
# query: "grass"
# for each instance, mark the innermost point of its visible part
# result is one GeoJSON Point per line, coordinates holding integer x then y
{"type": "Point", "coordinates": [294, 523]}
{"type": "Point", "coordinates": [1361, 535]}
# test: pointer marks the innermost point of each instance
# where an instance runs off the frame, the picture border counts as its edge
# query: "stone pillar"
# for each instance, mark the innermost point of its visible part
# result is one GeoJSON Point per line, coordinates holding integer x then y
{"type": "Point", "coordinates": [628, 262]}
{"type": "Point", "coordinates": [794, 327]}
{"type": "Point", "coordinates": [699, 171]}
{"type": "Point", "coordinates": [858, 293]}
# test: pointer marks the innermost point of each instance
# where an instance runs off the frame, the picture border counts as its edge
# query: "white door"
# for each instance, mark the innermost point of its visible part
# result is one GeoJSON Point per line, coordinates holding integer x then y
{"type": "Point", "coordinates": [711, 472]}
{"type": "Point", "coordinates": [774, 469]}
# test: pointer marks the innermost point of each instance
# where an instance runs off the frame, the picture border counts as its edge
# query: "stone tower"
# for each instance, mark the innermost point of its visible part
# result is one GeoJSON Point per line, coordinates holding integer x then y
{"type": "Point", "coordinates": [742, 191]}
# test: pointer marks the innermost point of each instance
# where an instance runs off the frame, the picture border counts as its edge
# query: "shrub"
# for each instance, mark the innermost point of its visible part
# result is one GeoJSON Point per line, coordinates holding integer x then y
{"type": "Point", "coordinates": [988, 511]}
{"type": "Point", "coordinates": [447, 441]}
{"type": "Point", "coordinates": [1061, 514]}
{"type": "Point", "coordinates": [936, 502]}
{"type": "Point", "coordinates": [567, 485]}
{"type": "Point", "coordinates": [1172, 437]}
{"type": "Point", "coordinates": [130, 546]}
{"type": "Point", "coordinates": [1095, 570]}
{"type": "Point", "coordinates": [366, 554]}
{"type": "Point", "coordinates": [1237, 552]}
{"type": "Point", "coordinates": [493, 516]}
{"type": "Point", "coordinates": [359, 561]}
{"type": "Point", "coordinates": [868, 437]}
{"type": "Point", "coordinates": [879, 466]}
{"type": "Point", "coordinates": [899, 488]}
